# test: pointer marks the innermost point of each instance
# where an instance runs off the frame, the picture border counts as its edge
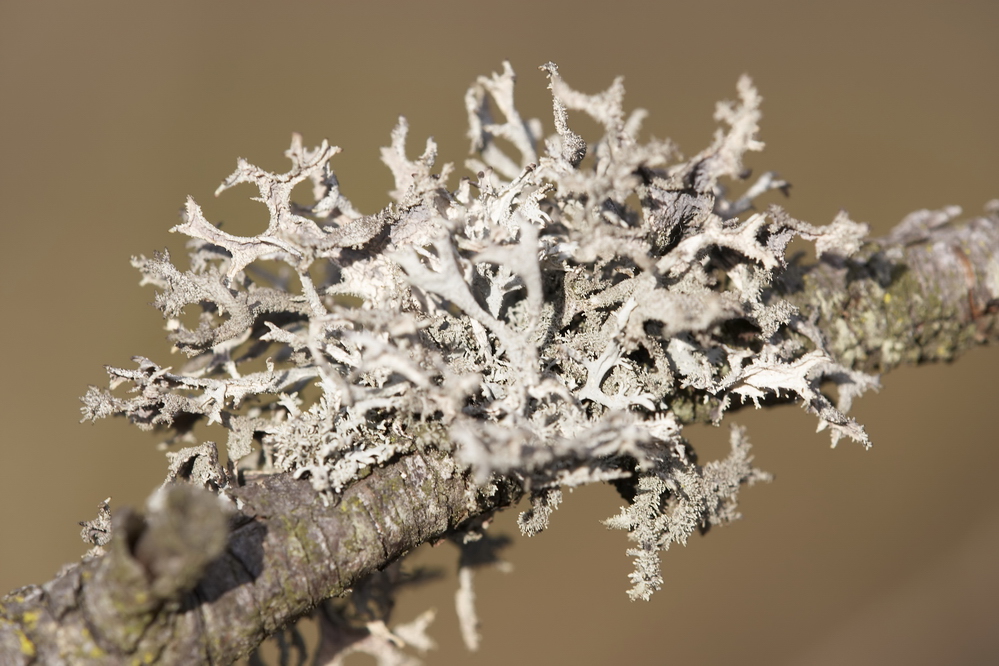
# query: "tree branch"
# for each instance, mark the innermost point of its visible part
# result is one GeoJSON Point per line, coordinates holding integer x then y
{"type": "Point", "coordinates": [926, 292]}
{"type": "Point", "coordinates": [286, 552]}
{"type": "Point", "coordinates": [170, 589]}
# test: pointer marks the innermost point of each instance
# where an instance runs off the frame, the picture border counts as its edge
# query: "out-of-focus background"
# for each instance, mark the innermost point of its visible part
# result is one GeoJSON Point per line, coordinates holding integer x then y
{"type": "Point", "coordinates": [111, 113]}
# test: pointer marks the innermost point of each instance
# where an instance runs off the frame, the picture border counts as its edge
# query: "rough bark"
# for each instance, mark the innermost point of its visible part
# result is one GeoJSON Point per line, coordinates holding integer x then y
{"type": "Point", "coordinates": [286, 552]}
{"type": "Point", "coordinates": [921, 294]}
{"type": "Point", "coordinates": [171, 590]}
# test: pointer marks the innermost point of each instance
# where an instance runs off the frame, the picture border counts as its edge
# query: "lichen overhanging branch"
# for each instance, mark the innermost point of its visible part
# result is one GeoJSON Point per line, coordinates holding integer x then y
{"type": "Point", "coordinates": [530, 325]}
{"type": "Point", "coordinates": [529, 320]}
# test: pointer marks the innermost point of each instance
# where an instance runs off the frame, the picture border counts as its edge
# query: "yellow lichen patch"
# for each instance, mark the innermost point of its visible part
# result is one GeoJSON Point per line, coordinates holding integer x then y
{"type": "Point", "coordinates": [27, 647]}
{"type": "Point", "coordinates": [30, 619]}
{"type": "Point", "coordinates": [147, 658]}
{"type": "Point", "coordinates": [94, 650]}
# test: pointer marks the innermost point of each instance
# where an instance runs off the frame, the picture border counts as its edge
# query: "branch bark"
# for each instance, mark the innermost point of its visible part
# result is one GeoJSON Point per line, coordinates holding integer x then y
{"type": "Point", "coordinates": [172, 590]}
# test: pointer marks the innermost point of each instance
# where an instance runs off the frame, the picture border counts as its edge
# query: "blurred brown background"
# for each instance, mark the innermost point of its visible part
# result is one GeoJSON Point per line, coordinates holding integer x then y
{"type": "Point", "coordinates": [113, 112]}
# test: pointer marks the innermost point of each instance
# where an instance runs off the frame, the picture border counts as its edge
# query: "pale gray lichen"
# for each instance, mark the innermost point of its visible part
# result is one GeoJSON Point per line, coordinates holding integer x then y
{"type": "Point", "coordinates": [543, 505]}
{"type": "Point", "coordinates": [358, 623]}
{"type": "Point", "coordinates": [478, 550]}
{"type": "Point", "coordinates": [677, 497]}
{"type": "Point", "coordinates": [386, 645]}
{"type": "Point", "coordinates": [534, 321]}
{"type": "Point", "coordinates": [97, 532]}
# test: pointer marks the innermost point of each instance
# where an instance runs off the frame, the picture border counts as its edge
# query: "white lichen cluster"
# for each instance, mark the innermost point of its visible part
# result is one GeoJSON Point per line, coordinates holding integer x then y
{"type": "Point", "coordinates": [554, 318]}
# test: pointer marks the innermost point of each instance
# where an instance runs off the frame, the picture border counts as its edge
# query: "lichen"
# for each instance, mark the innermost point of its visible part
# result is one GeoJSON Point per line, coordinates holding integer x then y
{"type": "Point", "coordinates": [529, 320]}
